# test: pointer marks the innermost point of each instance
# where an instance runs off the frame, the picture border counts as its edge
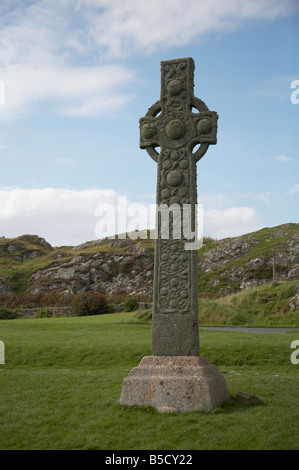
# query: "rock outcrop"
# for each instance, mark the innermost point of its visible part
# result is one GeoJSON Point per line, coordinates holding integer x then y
{"type": "Point", "coordinates": [225, 266]}
{"type": "Point", "coordinates": [125, 272]}
{"type": "Point", "coordinates": [123, 267]}
{"type": "Point", "coordinates": [24, 248]}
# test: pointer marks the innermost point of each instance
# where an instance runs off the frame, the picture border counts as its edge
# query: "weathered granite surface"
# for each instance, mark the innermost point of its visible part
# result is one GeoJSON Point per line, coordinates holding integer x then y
{"type": "Point", "coordinates": [171, 124]}
{"type": "Point", "coordinates": [175, 384]}
{"type": "Point", "coordinates": [176, 378]}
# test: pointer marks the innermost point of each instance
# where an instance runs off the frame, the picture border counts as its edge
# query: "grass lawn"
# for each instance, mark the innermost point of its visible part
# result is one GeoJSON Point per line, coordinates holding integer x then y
{"type": "Point", "coordinates": [62, 378]}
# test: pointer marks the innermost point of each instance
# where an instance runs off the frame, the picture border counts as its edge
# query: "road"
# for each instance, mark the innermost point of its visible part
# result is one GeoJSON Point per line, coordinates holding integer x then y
{"type": "Point", "coordinates": [250, 330]}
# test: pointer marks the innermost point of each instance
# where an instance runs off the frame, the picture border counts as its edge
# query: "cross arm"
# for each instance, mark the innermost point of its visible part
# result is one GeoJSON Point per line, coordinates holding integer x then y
{"type": "Point", "coordinates": [149, 131]}
{"type": "Point", "coordinates": [204, 128]}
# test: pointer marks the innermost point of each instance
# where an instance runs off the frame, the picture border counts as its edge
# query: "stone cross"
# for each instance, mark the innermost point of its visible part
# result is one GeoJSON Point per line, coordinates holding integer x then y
{"type": "Point", "coordinates": [172, 125]}
{"type": "Point", "coordinates": [175, 378]}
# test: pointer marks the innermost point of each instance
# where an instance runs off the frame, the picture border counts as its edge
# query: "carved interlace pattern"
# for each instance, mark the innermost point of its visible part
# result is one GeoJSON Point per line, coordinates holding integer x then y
{"type": "Point", "coordinates": [171, 124]}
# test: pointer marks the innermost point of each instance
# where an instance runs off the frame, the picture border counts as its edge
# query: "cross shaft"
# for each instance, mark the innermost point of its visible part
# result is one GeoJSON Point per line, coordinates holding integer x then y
{"type": "Point", "coordinates": [171, 125]}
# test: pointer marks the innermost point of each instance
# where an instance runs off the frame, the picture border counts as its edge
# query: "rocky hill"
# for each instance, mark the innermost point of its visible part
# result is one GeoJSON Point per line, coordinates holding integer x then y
{"type": "Point", "coordinates": [229, 265]}
{"type": "Point", "coordinates": [117, 267]}
{"type": "Point", "coordinates": [125, 267]}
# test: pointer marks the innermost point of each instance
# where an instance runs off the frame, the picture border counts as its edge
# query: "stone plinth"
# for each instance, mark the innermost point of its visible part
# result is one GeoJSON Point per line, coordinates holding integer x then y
{"type": "Point", "coordinates": [175, 384]}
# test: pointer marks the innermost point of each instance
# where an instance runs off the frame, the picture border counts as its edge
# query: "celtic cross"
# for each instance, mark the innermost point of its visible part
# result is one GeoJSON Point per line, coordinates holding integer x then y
{"type": "Point", "coordinates": [175, 378]}
{"type": "Point", "coordinates": [183, 137]}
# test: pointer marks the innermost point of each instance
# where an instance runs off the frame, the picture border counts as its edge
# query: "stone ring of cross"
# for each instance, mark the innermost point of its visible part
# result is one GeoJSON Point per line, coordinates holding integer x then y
{"type": "Point", "coordinates": [178, 129]}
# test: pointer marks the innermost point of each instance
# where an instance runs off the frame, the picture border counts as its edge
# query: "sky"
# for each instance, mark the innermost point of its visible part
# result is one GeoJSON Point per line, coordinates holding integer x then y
{"type": "Point", "coordinates": [77, 75]}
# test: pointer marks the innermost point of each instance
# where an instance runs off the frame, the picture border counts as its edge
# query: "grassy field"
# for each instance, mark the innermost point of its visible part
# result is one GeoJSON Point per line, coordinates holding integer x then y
{"type": "Point", "coordinates": [266, 305]}
{"type": "Point", "coordinates": [62, 379]}
{"type": "Point", "coordinates": [262, 306]}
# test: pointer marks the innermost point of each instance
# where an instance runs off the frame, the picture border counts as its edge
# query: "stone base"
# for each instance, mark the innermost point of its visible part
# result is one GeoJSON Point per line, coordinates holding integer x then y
{"type": "Point", "coordinates": [175, 384]}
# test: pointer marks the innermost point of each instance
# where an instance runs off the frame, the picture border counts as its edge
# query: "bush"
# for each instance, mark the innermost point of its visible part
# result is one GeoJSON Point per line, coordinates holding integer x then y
{"type": "Point", "coordinates": [130, 305]}
{"type": "Point", "coordinates": [8, 313]}
{"type": "Point", "coordinates": [112, 308]}
{"type": "Point", "coordinates": [89, 303]}
{"type": "Point", "coordinates": [44, 313]}
{"type": "Point", "coordinates": [39, 300]}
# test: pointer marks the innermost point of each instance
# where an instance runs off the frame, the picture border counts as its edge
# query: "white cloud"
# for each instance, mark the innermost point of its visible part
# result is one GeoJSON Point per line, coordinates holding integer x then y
{"type": "Point", "coordinates": [17, 201]}
{"type": "Point", "coordinates": [282, 158]}
{"type": "Point", "coordinates": [62, 216]}
{"type": "Point", "coordinates": [229, 222]}
{"type": "Point", "coordinates": [227, 215]}
{"type": "Point", "coordinates": [138, 25]}
{"type": "Point", "coordinates": [76, 91]}
{"type": "Point", "coordinates": [41, 42]}
{"type": "Point", "coordinates": [294, 189]}
{"type": "Point", "coordinates": [71, 217]}
{"type": "Point", "coordinates": [265, 198]}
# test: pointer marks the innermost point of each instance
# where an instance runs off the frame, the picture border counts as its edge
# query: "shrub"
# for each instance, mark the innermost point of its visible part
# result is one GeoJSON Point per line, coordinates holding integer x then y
{"type": "Point", "coordinates": [8, 313]}
{"type": "Point", "coordinates": [44, 313]}
{"type": "Point", "coordinates": [40, 300]}
{"type": "Point", "coordinates": [112, 308]}
{"type": "Point", "coordinates": [130, 304]}
{"type": "Point", "coordinates": [89, 303]}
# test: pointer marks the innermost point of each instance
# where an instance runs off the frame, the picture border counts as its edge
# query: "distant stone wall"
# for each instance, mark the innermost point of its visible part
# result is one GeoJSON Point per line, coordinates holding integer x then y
{"type": "Point", "coordinates": [144, 305]}
{"type": "Point", "coordinates": [67, 311]}
{"type": "Point", "coordinates": [58, 311]}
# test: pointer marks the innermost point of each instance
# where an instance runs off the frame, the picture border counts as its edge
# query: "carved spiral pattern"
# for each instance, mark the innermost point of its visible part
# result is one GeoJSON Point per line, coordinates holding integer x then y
{"type": "Point", "coordinates": [175, 177]}
{"type": "Point", "coordinates": [171, 125]}
{"type": "Point", "coordinates": [174, 287]}
{"type": "Point", "coordinates": [175, 188]}
{"type": "Point", "coordinates": [174, 274]}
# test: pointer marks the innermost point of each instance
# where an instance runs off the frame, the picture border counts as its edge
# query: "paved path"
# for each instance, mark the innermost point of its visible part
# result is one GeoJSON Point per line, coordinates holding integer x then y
{"type": "Point", "coordinates": [250, 330]}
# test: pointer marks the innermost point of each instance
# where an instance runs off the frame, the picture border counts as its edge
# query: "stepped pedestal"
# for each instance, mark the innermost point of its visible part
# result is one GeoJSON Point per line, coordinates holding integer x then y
{"type": "Point", "coordinates": [175, 384]}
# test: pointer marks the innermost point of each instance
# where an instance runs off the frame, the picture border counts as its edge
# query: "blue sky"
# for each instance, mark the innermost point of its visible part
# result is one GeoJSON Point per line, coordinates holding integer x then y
{"type": "Point", "coordinates": [77, 76]}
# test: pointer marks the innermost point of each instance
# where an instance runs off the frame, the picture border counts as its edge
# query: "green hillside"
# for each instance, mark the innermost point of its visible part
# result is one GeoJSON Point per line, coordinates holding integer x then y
{"type": "Point", "coordinates": [235, 274]}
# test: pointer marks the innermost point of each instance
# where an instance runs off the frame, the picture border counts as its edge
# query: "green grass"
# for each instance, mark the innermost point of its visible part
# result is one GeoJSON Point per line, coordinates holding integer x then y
{"type": "Point", "coordinates": [62, 380]}
{"type": "Point", "coordinates": [263, 306]}
{"type": "Point", "coordinates": [266, 305]}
